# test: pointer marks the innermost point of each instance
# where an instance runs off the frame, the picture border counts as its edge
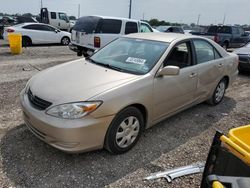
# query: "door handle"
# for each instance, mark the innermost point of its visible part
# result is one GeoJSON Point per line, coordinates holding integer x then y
{"type": "Point", "coordinates": [220, 65]}
{"type": "Point", "coordinates": [192, 75]}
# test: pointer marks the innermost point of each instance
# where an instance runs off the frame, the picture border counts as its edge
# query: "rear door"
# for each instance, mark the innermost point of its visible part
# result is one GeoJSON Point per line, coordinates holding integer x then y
{"type": "Point", "coordinates": [172, 93]}
{"type": "Point", "coordinates": [35, 32]}
{"type": "Point", "coordinates": [83, 31]}
{"type": "Point", "coordinates": [210, 67]}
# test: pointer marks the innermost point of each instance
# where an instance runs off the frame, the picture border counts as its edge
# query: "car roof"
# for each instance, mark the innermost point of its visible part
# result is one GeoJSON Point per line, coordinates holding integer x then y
{"type": "Point", "coordinates": [31, 23]}
{"type": "Point", "coordinates": [163, 37]}
{"type": "Point", "coordinates": [115, 18]}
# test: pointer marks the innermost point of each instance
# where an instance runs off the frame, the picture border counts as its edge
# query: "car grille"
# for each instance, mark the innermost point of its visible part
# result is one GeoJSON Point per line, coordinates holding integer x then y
{"type": "Point", "coordinates": [37, 102]}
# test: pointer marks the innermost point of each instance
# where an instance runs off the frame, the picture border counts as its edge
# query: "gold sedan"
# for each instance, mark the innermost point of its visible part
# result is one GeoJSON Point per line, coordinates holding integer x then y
{"type": "Point", "coordinates": [136, 81]}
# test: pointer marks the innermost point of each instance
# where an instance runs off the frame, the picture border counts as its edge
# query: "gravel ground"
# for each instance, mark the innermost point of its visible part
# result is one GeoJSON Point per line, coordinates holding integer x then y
{"type": "Point", "coordinates": [185, 138]}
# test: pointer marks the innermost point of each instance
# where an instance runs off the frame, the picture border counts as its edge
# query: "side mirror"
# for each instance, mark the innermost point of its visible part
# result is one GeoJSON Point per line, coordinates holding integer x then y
{"type": "Point", "coordinates": [169, 71]}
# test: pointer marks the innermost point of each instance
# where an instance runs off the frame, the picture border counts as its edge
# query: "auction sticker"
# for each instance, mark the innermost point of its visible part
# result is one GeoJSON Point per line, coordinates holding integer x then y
{"type": "Point", "coordinates": [135, 60]}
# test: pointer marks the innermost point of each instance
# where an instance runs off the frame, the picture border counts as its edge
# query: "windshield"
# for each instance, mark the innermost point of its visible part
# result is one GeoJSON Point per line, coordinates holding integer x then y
{"type": "Point", "coordinates": [248, 45]}
{"type": "Point", "coordinates": [134, 56]}
{"type": "Point", "coordinates": [87, 24]}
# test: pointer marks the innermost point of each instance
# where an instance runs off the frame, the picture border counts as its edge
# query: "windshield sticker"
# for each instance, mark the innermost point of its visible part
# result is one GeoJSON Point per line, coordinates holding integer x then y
{"type": "Point", "coordinates": [136, 60]}
{"type": "Point", "coordinates": [145, 68]}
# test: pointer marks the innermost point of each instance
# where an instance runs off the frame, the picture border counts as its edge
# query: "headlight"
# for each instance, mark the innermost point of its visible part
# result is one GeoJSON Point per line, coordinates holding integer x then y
{"type": "Point", "coordinates": [73, 110]}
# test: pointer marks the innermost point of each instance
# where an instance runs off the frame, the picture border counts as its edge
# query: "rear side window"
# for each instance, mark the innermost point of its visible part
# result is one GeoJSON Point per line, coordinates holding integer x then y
{"type": "Point", "coordinates": [219, 29]}
{"type": "Point", "coordinates": [53, 15]}
{"type": "Point", "coordinates": [33, 27]}
{"type": "Point", "coordinates": [111, 26]}
{"type": "Point", "coordinates": [131, 27]}
{"type": "Point", "coordinates": [87, 24]}
{"type": "Point", "coordinates": [205, 52]}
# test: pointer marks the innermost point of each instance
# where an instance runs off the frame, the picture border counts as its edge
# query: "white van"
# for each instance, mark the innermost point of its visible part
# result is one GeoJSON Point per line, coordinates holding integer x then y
{"type": "Point", "coordinates": [93, 32]}
{"type": "Point", "coordinates": [57, 19]}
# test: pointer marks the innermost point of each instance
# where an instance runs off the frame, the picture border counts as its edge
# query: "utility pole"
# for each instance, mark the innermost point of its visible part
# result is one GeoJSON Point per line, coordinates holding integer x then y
{"type": "Point", "coordinates": [130, 8]}
{"type": "Point", "coordinates": [79, 8]}
{"type": "Point", "coordinates": [224, 19]}
{"type": "Point", "coordinates": [198, 21]}
{"type": "Point", "coordinates": [41, 3]}
{"type": "Point", "coordinates": [143, 16]}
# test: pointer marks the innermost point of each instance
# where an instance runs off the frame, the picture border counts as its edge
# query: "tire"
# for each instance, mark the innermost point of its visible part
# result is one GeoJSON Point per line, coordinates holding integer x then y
{"type": "Point", "coordinates": [124, 131]}
{"type": "Point", "coordinates": [65, 41]}
{"type": "Point", "coordinates": [219, 93]}
{"type": "Point", "coordinates": [225, 45]}
{"type": "Point", "coordinates": [26, 41]}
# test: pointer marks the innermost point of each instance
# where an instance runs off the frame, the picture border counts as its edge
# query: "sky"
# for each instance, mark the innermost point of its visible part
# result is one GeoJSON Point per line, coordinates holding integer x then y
{"type": "Point", "coordinates": [182, 11]}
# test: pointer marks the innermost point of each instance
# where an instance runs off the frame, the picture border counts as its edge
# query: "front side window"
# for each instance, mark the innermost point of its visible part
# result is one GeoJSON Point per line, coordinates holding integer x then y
{"type": "Point", "coordinates": [131, 27]}
{"type": "Point", "coordinates": [134, 56]}
{"type": "Point", "coordinates": [144, 28]}
{"type": "Point", "coordinates": [111, 26]}
{"type": "Point", "coordinates": [47, 28]}
{"type": "Point", "coordinates": [180, 56]}
{"type": "Point", "coordinates": [205, 52]}
{"type": "Point", "coordinates": [63, 16]}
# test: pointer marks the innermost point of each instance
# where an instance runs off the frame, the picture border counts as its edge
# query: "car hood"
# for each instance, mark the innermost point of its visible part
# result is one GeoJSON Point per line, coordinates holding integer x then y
{"type": "Point", "coordinates": [76, 81]}
{"type": "Point", "coordinates": [66, 33]}
{"type": "Point", "coordinates": [243, 50]}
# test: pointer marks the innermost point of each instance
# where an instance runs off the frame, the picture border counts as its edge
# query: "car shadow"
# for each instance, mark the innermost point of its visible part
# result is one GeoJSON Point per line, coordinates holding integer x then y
{"type": "Point", "coordinates": [28, 162]}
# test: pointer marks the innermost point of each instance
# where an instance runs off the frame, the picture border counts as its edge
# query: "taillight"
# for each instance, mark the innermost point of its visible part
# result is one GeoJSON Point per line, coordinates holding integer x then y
{"type": "Point", "coordinates": [10, 30]}
{"type": "Point", "coordinates": [97, 42]}
{"type": "Point", "coordinates": [216, 38]}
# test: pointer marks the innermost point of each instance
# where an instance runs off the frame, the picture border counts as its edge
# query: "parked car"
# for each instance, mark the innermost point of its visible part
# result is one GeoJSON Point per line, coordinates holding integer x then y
{"type": "Point", "coordinates": [244, 57]}
{"type": "Point", "coordinates": [93, 32]}
{"type": "Point", "coordinates": [170, 29]}
{"type": "Point", "coordinates": [24, 19]}
{"type": "Point", "coordinates": [133, 83]}
{"type": "Point", "coordinates": [38, 33]}
{"type": "Point", "coordinates": [226, 36]}
{"type": "Point", "coordinates": [57, 19]}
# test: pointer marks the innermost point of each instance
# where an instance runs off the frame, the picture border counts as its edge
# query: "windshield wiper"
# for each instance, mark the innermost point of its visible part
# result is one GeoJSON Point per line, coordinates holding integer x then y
{"type": "Point", "coordinates": [105, 65]}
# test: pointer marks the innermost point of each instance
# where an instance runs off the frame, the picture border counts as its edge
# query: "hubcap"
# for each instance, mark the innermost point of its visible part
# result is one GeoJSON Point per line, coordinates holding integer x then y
{"type": "Point", "coordinates": [65, 41]}
{"type": "Point", "coordinates": [127, 132]}
{"type": "Point", "coordinates": [220, 90]}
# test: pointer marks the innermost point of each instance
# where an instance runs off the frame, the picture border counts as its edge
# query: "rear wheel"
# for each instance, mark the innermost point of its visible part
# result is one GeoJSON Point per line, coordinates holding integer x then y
{"type": "Point", "coordinates": [219, 93]}
{"type": "Point", "coordinates": [124, 131]}
{"type": "Point", "coordinates": [65, 41]}
{"type": "Point", "coordinates": [225, 45]}
{"type": "Point", "coordinates": [26, 41]}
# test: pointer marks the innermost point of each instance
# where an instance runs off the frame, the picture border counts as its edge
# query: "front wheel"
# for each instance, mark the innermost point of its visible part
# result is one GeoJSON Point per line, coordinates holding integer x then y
{"type": "Point", "coordinates": [225, 45]}
{"type": "Point", "coordinates": [26, 41]}
{"type": "Point", "coordinates": [65, 41]}
{"type": "Point", "coordinates": [124, 131]}
{"type": "Point", "coordinates": [219, 93]}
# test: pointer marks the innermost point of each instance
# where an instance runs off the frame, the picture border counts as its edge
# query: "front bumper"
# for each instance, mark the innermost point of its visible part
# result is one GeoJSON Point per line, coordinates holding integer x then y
{"type": "Point", "coordinates": [244, 66]}
{"type": "Point", "coordinates": [72, 136]}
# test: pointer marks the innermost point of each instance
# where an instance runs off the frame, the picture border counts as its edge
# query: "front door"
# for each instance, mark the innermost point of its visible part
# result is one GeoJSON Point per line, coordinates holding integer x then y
{"type": "Point", "coordinates": [172, 93]}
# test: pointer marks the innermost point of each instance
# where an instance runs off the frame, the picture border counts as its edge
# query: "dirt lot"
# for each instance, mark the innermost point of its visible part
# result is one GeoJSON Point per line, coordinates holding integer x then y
{"type": "Point", "coordinates": [185, 138]}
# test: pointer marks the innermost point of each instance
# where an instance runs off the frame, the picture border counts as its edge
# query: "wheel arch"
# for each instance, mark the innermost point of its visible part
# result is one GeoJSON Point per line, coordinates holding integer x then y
{"type": "Point", "coordinates": [227, 80]}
